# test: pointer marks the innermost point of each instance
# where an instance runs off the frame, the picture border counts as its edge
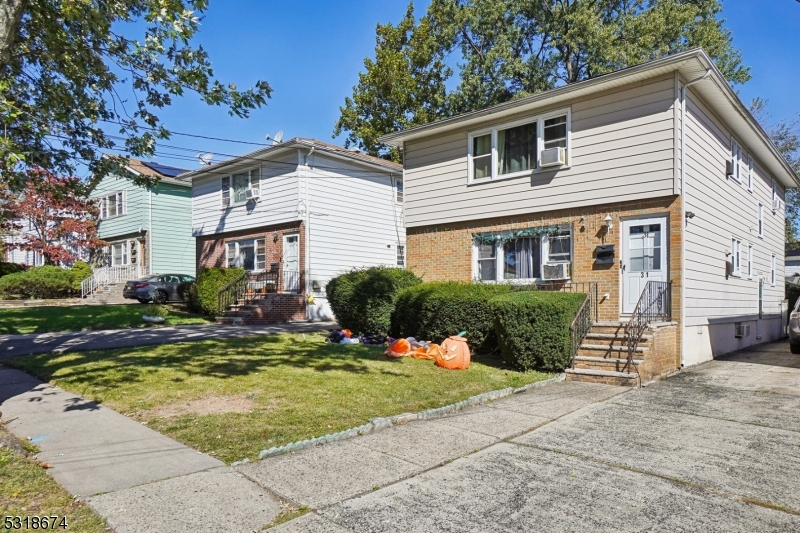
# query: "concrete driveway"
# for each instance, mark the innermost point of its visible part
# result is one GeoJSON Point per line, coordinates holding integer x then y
{"type": "Point", "coordinates": [715, 448]}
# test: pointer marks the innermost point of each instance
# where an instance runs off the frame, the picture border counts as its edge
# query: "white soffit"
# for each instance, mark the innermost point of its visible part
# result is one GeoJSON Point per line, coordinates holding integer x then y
{"type": "Point", "coordinates": [691, 64]}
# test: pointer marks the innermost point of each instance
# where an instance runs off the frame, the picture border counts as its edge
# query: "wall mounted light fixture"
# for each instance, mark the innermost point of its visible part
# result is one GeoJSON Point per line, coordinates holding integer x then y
{"type": "Point", "coordinates": [609, 222]}
{"type": "Point", "coordinates": [689, 215]}
{"type": "Point", "coordinates": [274, 236]}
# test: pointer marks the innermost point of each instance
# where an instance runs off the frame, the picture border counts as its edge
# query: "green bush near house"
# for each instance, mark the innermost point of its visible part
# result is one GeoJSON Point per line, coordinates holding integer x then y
{"type": "Point", "coordinates": [363, 299]}
{"type": "Point", "coordinates": [39, 282]}
{"type": "Point", "coordinates": [10, 268]}
{"type": "Point", "coordinates": [434, 311]}
{"type": "Point", "coordinates": [80, 271]}
{"type": "Point", "coordinates": [203, 296]}
{"type": "Point", "coordinates": [533, 327]}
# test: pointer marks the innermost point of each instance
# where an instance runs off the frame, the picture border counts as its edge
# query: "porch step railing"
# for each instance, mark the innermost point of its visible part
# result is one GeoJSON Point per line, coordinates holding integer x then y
{"type": "Point", "coordinates": [109, 275]}
{"type": "Point", "coordinates": [654, 305]}
{"type": "Point", "coordinates": [252, 284]}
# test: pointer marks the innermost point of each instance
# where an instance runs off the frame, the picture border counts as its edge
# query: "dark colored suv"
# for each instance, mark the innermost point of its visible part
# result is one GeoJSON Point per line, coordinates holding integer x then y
{"type": "Point", "coordinates": [158, 289]}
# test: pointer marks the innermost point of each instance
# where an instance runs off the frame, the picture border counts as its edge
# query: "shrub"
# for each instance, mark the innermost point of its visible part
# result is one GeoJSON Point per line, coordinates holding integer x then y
{"type": "Point", "coordinates": [80, 271]}
{"type": "Point", "coordinates": [202, 297]}
{"type": "Point", "coordinates": [533, 327]}
{"type": "Point", "coordinates": [38, 282]}
{"type": "Point", "coordinates": [434, 311]}
{"type": "Point", "coordinates": [363, 299]}
{"type": "Point", "coordinates": [10, 268]}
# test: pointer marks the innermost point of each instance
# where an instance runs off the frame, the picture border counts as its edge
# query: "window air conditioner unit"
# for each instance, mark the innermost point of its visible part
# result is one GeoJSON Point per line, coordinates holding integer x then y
{"type": "Point", "coordinates": [251, 194]}
{"type": "Point", "coordinates": [742, 330]}
{"type": "Point", "coordinates": [555, 271]}
{"type": "Point", "coordinates": [553, 157]}
{"type": "Point", "coordinates": [776, 204]}
{"type": "Point", "coordinates": [226, 202]}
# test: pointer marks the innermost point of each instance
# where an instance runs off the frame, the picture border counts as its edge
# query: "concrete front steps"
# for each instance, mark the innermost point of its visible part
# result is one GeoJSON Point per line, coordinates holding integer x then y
{"type": "Point", "coordinates": [265, 308]}
{"type": "Point", "coordinates": [109, 294]}
{"type": "Point", "coordinates": [603, 356]}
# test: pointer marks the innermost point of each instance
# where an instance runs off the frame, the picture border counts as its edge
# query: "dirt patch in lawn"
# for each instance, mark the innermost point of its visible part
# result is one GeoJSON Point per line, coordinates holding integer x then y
{"type": "Point", "coordinates": [210, 405]}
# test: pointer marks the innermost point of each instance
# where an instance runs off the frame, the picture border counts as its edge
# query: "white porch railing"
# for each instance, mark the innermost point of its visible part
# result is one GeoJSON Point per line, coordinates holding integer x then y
{"type": "Point", "coordinates": [103, 276]}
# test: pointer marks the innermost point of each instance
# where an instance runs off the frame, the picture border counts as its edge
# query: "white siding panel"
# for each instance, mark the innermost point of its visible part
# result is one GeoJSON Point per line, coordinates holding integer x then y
{"type": "Point", "coordinates": [724, 208]}
{"type": "Point", "coordinates": [622, 149]}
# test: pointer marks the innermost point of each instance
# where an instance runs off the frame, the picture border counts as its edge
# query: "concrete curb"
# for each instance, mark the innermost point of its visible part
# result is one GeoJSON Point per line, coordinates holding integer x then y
{"type": "Point", "coordinates": [382, 423]}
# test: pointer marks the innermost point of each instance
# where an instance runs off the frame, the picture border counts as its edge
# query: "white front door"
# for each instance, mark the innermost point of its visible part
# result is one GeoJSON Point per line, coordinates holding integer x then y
{"type": "Point", "coordinates": [291, 262]}
{"type": "Point", "coordinates": [644, 257]}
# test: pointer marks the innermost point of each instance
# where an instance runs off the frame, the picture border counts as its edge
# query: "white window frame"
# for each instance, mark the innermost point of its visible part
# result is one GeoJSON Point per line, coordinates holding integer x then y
{"type": "Point", "coordinates": [544, 259]}
{"type": "Point", "coordinates": [120, 199]}
{"type": "Point", "coordinates": [760, 220]}
{"type": "Point", "coordinates": [772, 274]}
{"type": "Point", "coordinates": [749, 172]}
{"type": "Point", "coordinates": [227, 187]}
{"type": "Point", "coordinates": [736, 159]}
{"type": "Point", "coordinates": [539, 120]}
{"type": "Point", "coordinates": [749, 261]}
{"type": "Point", "coordinates": [736, 257]}
{"type": "Point", "coordinates": [126, 253]}
{"type": "Point", "coordinates": [774, 197]}
{"type": "Point", "coordinates": [399, 191]}
{"type": "Point", "coordinates": [248, 242]}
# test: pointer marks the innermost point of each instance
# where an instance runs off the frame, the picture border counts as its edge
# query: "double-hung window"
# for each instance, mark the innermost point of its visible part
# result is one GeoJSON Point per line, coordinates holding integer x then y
{"type": "Point", "coordinates": [401, 255]}
{"type": "Point", "coordinates": [398, 191]}
{"type": "Point", "coordinates": [112, 205]}
{"type": "Point", "coordinates": [521, 258]}
{"type": "Point", "coordinates": [234, 187]}
{"type": "Point", "coordinates": [736, 256]}
{"type": "Point", "coordinates": [774, 198]}
{"type": "Point", "coordinates": [736, 159]}
{"type": "Point", "coordinates": [250, 254]}
{"type": "Point", "coordinates": [750, 173]}
{"type": "Point", "coordinates": [514, 149]}
{"type": "Point", "coordinates": [119, 254]}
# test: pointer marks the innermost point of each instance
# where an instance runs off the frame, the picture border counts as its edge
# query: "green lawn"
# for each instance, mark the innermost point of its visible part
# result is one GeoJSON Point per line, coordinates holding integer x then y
{"type": "Point", "coordinates": [27, 490]}
{"type": "Point", "coordinates": [19, 320]}
{"type": "Point", "coordinates": [233, 398]}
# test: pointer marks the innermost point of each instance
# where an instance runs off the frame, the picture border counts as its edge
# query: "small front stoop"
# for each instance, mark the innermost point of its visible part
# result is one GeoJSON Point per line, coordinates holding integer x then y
{"type": "Point", "coordinates": [603, 355]}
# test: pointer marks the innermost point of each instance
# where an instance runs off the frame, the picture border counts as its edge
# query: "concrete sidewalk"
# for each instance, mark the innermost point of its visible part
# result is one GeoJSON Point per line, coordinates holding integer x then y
{"type": "Point", "coordinates": [75, 341]}
{"type": "Point", "coordinates": [136, 478]}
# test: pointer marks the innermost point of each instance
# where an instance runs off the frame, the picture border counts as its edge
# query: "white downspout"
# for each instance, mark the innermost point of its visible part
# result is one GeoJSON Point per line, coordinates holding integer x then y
{"type": "Point", "coordinates": [150, 232]}
{"type": "Point", "coordinates": [683, 212]}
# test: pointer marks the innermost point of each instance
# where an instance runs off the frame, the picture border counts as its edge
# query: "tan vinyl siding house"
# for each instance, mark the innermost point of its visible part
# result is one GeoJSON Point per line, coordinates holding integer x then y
{"type": "Point", "coordinates": [589, 183]}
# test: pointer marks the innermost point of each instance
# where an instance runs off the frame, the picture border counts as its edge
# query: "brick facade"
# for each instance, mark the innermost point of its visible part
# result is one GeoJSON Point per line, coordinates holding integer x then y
{"type": "Point", "coordinates": [211, 249]}
{"type": "Point", "coordinates": [445, 252]}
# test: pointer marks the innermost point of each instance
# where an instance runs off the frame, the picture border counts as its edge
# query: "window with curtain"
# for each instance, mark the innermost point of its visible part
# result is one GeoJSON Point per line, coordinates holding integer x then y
{"type": "Point", "coordinates": [516, 149]}
{"type": "Point", "coordinates": [522, 258]}
{"type": "Point", "coordinates": [240, 184]}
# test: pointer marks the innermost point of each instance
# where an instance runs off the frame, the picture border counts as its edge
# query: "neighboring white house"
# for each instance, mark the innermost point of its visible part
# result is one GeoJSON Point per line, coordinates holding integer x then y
{"type": "Point", "coordinates": [653, 178]}
{"type": "Point", "coordinates": [294, 215]}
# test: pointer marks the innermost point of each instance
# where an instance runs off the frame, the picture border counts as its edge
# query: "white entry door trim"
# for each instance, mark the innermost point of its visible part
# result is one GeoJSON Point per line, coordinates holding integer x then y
{"type": "Point", "coordinates": [644, 257]}
{"type": "Point", "coordinates": [291, 262]}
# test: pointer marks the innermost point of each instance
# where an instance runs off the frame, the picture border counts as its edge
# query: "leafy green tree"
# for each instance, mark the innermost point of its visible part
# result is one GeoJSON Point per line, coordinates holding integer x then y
{"type": "Point", "coordinates": [785, 135]}
{"type": "Point", "coordinates": [511, 48]}
{"type": "Point", "coordinates": [66, 64]}
{"type": "Point", "coordinates": [404, 86]}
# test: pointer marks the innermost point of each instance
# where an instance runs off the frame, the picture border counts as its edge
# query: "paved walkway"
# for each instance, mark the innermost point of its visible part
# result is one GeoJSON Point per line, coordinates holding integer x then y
{"type": "Point", "coordinates": [74, 341]}
{"type": "Point", "coordinates": [715, 448]}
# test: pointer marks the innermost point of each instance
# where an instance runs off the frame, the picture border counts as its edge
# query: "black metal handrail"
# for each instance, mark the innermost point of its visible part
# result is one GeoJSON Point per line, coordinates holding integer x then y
{"type": "Point", "coordinates": [231, 293]}
{"type": "Point", "coordinates": [654, 305]}
{"type": "Point", "coordinates": [586, 315]}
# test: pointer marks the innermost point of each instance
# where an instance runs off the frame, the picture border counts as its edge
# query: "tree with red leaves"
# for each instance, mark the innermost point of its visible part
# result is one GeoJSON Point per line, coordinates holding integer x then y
{"type": "Point", "coordinates": [61, 220]}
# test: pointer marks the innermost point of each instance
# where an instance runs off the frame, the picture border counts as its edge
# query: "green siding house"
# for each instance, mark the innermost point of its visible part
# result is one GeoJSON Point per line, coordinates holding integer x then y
{"type": "Point", "coordinates": [148, 230]}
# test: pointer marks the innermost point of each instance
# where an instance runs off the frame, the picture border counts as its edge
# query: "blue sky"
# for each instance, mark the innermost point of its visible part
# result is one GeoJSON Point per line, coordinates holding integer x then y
{"type": "Point", "coordinates": [311, 51]}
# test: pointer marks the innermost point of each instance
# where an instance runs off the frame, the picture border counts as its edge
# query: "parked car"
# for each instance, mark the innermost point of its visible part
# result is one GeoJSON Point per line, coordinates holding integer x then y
{"type": "Point", "coordinates": [158, 289]}
{"type": "Point", "coordinates": [794, 328]}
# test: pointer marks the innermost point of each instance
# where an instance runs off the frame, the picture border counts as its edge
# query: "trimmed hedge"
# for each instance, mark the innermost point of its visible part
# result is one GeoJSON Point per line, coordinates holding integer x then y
{"type": "Point", "coordinates": [80, 271]}
{"type": "Point", "coordinates": [533, 327]}
{"type": "Point", "coordinates": [10, 268]}
{"type": "Point", "coordinates": [39, 282]}
{"type": "Point", "coordinates": [434, 311]}
{"type": "Point", "coordinates": [363, 299]}
{"type": "Point", "coordinates": [202, 297]}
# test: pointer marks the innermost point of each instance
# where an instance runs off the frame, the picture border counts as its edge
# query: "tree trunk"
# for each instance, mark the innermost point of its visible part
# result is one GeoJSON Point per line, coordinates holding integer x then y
{"type": "Point", "coordinates": [11, 12]}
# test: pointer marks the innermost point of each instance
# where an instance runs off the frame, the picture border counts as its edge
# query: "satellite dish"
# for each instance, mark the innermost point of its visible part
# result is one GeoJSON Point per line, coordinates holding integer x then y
{"type": "Point", "coordinates": [205, 158]}
{"type": "Point", "coordinates": [277, 139]}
